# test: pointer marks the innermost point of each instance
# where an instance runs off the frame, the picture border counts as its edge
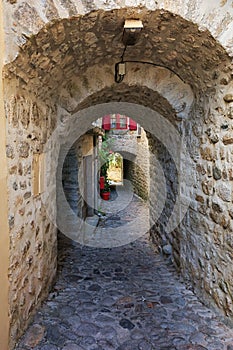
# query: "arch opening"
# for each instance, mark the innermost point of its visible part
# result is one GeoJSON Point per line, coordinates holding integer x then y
{"type": "Point", "coordinates": [50, 87]}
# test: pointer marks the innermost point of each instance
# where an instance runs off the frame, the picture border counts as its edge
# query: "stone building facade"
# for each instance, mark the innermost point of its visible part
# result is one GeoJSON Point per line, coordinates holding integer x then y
{"type": "Point", "coordinates": [58, 62]}
{"type": "Point", "coordinates": [135, 152]}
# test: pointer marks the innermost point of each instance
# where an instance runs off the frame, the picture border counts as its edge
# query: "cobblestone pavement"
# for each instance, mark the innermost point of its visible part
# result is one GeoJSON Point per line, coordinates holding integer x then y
{"type": "Point", "coordinates": [124, 298]}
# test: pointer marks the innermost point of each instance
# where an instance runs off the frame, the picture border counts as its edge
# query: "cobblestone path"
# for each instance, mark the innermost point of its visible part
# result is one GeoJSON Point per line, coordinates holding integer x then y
{"type": "Point", "coordinates": [124, 298]}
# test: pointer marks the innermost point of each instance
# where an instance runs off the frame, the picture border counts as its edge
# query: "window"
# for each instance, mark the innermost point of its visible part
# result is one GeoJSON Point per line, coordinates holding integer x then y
{"type": "Point", "coordinates": [123, 122]}
{"type": "Point", "coordinates": [113, 122]}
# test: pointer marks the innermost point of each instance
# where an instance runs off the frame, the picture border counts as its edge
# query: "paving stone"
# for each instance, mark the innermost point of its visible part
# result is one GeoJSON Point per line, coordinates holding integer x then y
{"type": "Point", "coordinates": [49, 347]}
{"type": "Point", "coordinates": [128, 345]}
{"type": "Point", "coordinates": [73, 321]}
{"type": "Point", "coordinates": [166, 300]}
{"type": "Point", "coordinates": [94, 288]}
{"type": "Point", "coordinates": [106, 344]}
{"type": "Point", "coordinates": [107, 333]}
{"type": "Point", "coordinates": [198, 338]}
{"type": "Point", "coordinates": [72, 346]}
{"type": "Point", "coordinates": [129, 298]}
{"type": "Point", "coordinates": [54, 335]}
{"type": "Point", "coordinates": [193, 347]}
{"type": "Point", "coordinates": [126, 324]}
{"type": "Point", "coordinates": [70, 335]}
{"type": "Point", "coordinates": [65, 311]}
{"type": "Point", "coordinates": [86, 329]}
{"type": "Point", "coordinates": [34, 335]}
{"type": "Point", "coordinates": [144, 345]}
{"type": "Point", "coordinates": [179, 341]}
{"type": "Point", "coordinates": [136, 334]}
{"type": "Point", "coordinates": [105, 319]}
{"type": "Point", "coordinates": [108, 301]}
{"type": "Point", "coordinates": [87, 342]}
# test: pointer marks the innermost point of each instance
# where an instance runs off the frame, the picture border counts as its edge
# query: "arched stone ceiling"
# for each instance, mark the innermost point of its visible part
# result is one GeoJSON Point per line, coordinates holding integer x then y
{"type": "Point", "coordinates": [68, 47]}
{"type": "Point", "coordinates": [24, 18]}
{"type": "Point", "coordinates": [132, 94]}
{"type": "Point", "coordinates": [161, 90]}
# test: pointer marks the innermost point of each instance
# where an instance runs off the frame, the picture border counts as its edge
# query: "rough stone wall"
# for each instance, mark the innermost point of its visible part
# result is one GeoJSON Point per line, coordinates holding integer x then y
{"type": "Point", "coordinates": [201, 246]}
{"type": "Point", "coordinates": [136, 162]}
{"type": "Point", "coordinates": [69, 62]}
{"type": "Point", "coordinates": [70, 180]}
{"type": "Point", "coordinates": [73, 175]}
{"type": "Point", "coordinates": [206, 233]}
{"type": "Point", "coordinates": [84, 147]}
{"type": "Point", "coordinates": [167, 242]}
{"type": "Point", "coordinates": [32, 236]}
{"type": "Point", "coordinates": [23, 19]}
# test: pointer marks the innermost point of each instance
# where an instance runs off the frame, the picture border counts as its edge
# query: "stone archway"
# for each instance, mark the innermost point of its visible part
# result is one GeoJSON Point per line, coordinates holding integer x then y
{"type": "Point", "coordinates": [65, 66]}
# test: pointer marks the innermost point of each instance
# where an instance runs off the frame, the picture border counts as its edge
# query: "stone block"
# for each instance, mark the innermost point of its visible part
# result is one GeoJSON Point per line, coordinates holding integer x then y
{"type": "Point", "coordinates": [217, 173]}
{"type": "Point", "coordinates": [207, 153]}
{"type": "Point", "coordinates": [228, 139]}
{"type": "Point", "coordinates": [228, 98]}
{"type": "Point", "coordinates": [224, 192]}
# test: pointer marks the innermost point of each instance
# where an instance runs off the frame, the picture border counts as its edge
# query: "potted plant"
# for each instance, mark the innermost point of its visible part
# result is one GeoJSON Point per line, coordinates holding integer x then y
{"type": "Point", "coordinates": [104, 160]}
{"type": "Point", "coordinates": [105, 193]}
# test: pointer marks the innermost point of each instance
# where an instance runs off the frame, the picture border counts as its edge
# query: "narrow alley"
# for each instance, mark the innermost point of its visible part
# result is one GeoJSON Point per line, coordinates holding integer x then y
{"type": "Point", "coordinates": [123, 298]}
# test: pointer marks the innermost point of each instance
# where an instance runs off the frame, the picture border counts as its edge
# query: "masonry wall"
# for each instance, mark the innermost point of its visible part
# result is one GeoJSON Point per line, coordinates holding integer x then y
{"type": "Point", "coordinates": [29, 17]}
{"type": "Point", "coordinates": [168, 243]}
{"type": "Point", "coordinates": [32, 265]}
{"type": "Point", "coordinates": [201, 245]}
{"type": "Point", "coordinates": [4, 227]}
{"type": "Point", "coordinates": [63, 54]}
{"type": "Point", "coordinates": [136, 165]}
{"type": "Point", "coordinates": [206, 232]}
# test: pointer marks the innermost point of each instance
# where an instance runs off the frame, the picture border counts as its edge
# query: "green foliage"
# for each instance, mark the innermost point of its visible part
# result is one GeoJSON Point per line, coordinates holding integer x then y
{"type": "Point", "coordinates": [115, 160]}
{"type": "Point", "coordinates": [106, 186]}
{"type": "Point", "coordinates": [104, 159]}
{"type": "Point", "coordinates": [104, 153]}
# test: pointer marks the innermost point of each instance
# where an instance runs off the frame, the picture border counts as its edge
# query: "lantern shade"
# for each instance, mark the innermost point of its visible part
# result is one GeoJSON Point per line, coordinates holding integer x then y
{"type": "Point", "coordinates": [106, 122]}
{"type": "Point", "coordinates": [132, 124]}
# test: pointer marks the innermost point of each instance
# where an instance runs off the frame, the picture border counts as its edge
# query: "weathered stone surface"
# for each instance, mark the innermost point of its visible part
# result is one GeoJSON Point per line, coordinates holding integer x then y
{"type": "Point", "coordinates": [207, 153]}
{"type": "Point", "coordinates": [72, 346]}
{"type": "Point", "coordinates": [207, 187]}
{"type": "Point", "coordinates": [217, 207]}
{"type": "Point", "coordinates": [136, 160]}
{"type": "Point", "coordinates": [34, 335]}
{"type": "Point", "coordinates": [200, 199]}
{"type": "Point", "coordinates": [224, 192]}
{"type": "Point", "coordinates": [167, 249]}
{"type": "Point", "coordinates": [228, 139]}
{"type": "Point", "coordinates": [28, 16]}
{"type": "Point", "coordinates": [217, 173]}
{"type": "Point", "coordinates": [214, 138]}
{"type": "Point", "coordinates": [69, 62]}
{"type": "Point", "coordinates": [23, 149]}
{"type": "Point", "coordinates": [228, 98]}
{"type": "Point", "coordinates": [165, 313]}
{"type": "Point", "coordinates": [125, 323]}
{"type": "Point", "coordinates": [9, 151]}
{"type": "Point", "coordinates": [230, 112]}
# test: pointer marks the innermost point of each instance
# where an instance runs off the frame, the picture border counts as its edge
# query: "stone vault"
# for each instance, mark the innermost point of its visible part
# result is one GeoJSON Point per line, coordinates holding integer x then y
{"type": "Point", "coordinates": [59, 60]}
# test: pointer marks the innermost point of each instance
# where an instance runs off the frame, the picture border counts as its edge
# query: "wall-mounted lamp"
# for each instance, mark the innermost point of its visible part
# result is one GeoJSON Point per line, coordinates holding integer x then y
{"type": "Point", "coordinates": [131, 33]}
{"type": "Point", "coordinates": [132, 30]}
{"type": "Point", "coordinates": [119, 72]}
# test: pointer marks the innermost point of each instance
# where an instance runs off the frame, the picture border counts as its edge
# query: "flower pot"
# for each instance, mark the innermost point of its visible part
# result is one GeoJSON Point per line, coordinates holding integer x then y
{"type": "Point", "coordinates": [105, 195]}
